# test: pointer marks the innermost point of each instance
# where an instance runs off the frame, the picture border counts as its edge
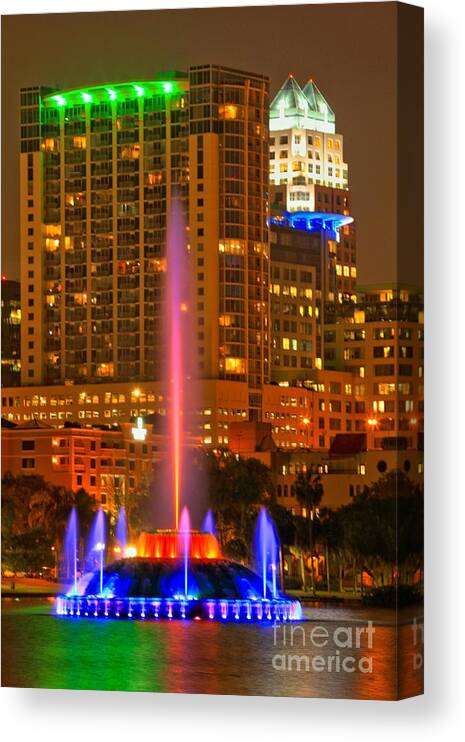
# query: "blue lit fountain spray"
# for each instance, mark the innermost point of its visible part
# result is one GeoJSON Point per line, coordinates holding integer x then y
{"type": "Point", "coordinates": [208, 525]}
{"type": "Point", "coordinates": [121, 533]}
{"type": "Point", "coordinates": [95, 554]}
{"type": "Point", "coordinates": [266, 552]}
{"type": "Point", "coordinates": [70, 549]}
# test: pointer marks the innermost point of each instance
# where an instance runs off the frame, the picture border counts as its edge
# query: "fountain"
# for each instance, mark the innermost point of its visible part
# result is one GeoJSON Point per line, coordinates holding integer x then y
{"type": "Point", "coordinates": [95, 550]}
{"type": "Point", "coordinates": [182, 580]}
{"type": "Point", "coordinates": [70, 550]}
{"type": "Point", "coordinates": [179, 573]}
{"type": "Point", "coordinates": [208, 525]}
{"type": "Point", "coordinates": [266, 552]}
{"type": "Point", "coordinates": [121, 533]}
{"type": "Point", "coordinates": [185, 537]}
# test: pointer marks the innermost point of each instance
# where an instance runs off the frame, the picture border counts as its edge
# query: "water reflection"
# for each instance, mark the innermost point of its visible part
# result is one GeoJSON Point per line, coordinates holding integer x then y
{"type": "Point", "coordinates": [204, 657]}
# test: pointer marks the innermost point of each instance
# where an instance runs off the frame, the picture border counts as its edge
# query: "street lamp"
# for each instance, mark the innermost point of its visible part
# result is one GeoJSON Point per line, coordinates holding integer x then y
{"type": "Point", "coordinates": [55, 555]}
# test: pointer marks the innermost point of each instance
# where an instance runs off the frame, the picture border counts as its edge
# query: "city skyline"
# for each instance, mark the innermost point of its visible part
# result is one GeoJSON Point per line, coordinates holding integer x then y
{"type": "Point", "coordinates": [99, 170]}
{"type": "Point", "coordinates": [345, 87]}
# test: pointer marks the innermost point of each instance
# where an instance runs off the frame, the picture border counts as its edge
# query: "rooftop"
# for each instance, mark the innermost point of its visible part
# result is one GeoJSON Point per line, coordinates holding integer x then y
{"type": "Point", "coordinates": [163, 84]}
{"type": "Point", "coordinates": [294, 108]}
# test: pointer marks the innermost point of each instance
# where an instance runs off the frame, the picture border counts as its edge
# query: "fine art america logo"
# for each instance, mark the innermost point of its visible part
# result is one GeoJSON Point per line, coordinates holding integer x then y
{"type": "Point", "coordinates": [315, 648]}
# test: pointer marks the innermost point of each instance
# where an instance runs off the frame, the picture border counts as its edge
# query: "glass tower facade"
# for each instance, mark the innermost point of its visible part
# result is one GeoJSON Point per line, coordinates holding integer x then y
{"type": "Point", "coordinates": [99, 168]}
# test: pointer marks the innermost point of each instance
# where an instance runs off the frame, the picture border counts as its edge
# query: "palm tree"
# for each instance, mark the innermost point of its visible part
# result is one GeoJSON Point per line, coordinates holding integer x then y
{"type": "Point", "coordinates": [332, 536]}
{"type": "Point", "coordinates": [309, 493]}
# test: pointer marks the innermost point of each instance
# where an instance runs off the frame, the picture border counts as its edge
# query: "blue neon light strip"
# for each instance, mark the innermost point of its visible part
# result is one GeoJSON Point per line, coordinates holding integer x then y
{"type": "Point", "coordinates": [214, 609]}
{"type": "Point", "coordinates": [312, 221]}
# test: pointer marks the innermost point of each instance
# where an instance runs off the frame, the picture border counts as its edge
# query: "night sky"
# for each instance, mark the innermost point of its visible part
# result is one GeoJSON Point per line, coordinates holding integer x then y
{"type": "Point", "coordinates": [349, 50]}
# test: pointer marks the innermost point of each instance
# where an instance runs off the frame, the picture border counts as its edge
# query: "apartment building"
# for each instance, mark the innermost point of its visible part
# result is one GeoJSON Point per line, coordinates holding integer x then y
{"type": "Point", "coordinates": [11, 332]}
{"type": "Point", "coordinates": [100, 167]}
{"type": "Point", "coordinates": [379, 341]}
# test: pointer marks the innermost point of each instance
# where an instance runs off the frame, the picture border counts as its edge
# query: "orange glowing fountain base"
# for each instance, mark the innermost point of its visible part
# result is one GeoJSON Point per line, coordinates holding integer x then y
{"type": "Point", "coordinates": [168, 545]}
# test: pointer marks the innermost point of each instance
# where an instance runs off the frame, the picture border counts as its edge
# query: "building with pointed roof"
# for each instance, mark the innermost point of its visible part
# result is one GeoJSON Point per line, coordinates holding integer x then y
{"type": "Point", "coordinates": [305, 149]}
{"type": "Point", "coordinates": [295, 108]}
{"type": "Point", "coordinates": [308, 178]}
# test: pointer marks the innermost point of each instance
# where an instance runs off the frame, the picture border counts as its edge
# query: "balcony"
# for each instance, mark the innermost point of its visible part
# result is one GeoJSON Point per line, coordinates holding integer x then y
{"type": "Point", "coordinates": [102, 312]}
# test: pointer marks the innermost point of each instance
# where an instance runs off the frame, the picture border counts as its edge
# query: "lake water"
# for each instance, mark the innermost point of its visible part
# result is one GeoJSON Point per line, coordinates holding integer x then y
{"type": "Point", "coordinates": [333, 653]}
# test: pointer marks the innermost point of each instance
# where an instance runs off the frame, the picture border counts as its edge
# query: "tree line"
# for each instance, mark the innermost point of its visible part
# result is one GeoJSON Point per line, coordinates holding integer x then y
{"type": "Point", "coordinates": [379, 533]}
{"type": "Point", "coordinates": [34, 517]}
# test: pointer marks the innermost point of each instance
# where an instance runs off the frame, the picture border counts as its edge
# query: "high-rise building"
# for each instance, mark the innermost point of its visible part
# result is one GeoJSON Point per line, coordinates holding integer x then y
{"type": "Point", "coordinates": [11, 332]}
{"type": "Point", "coordinates": [99, 168]}
{"type": "Point", "coordinates": [308, 174]}
{"type": "Point", "coordinates": [294, 314]}
{"type": "Point", "coordinates": [305, 149]}
{"type": "Point", "coordinates": [305, 241]}
{"type": "Point", "coordinates": [310, 220]}
{"type": "Point", "coordinates": [228, 191]}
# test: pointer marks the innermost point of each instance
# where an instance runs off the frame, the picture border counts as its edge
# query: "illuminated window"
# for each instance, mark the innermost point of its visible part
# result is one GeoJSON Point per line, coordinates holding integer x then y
{"type": "Point", "coordinates": [52, 244]}
{"type": "Point", "coordinates": [235, 365]}
{"type": "Point", "coordinates": [154, 178]}
{"type": "Point", "coordinates": [231, 247]}
{"type": "Point", "coordinates": [229, 111]}
{"type": "Point", "coordinates": [49, 145]}
{"type": "Point", "coordinates": [385, 296]}
{"type": "Point", "coordinates": [79, 142]}
{"type": "Point", "coordinates": [131, 152]}
{"type": "Point", "coordinates": [104, 369]}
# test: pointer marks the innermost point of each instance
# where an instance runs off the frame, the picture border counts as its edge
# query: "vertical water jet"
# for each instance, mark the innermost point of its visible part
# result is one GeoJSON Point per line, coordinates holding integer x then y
{"type": "Point", "coordinates": [208, 525]}
{"type": "Point", "coordinates": [266, 553]}
{"type": "Point", "coordinates": [185, 537]}
{"type": "Point", "coordinates": [121, 532]}
{"type": "Point", "coordinates": [70, 550]}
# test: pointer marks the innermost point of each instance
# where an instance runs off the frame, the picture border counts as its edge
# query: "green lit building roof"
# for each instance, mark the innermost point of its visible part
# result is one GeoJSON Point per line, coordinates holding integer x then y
{"type": "Point", "coordinates": [294, 108]}
{"type": "Point", "coordinates": [165, 84]}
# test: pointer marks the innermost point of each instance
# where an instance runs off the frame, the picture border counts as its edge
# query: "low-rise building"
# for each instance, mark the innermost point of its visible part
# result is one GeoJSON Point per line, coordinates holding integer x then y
{"type": "Point", "coordinates": [345, 470]}
{"type": "Point", "coordinates": [109, 461]}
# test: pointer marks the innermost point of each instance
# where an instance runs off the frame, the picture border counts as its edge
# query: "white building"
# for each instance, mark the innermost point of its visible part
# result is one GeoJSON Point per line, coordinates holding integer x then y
{"type": "Point", "coordinates": [305, 150]}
